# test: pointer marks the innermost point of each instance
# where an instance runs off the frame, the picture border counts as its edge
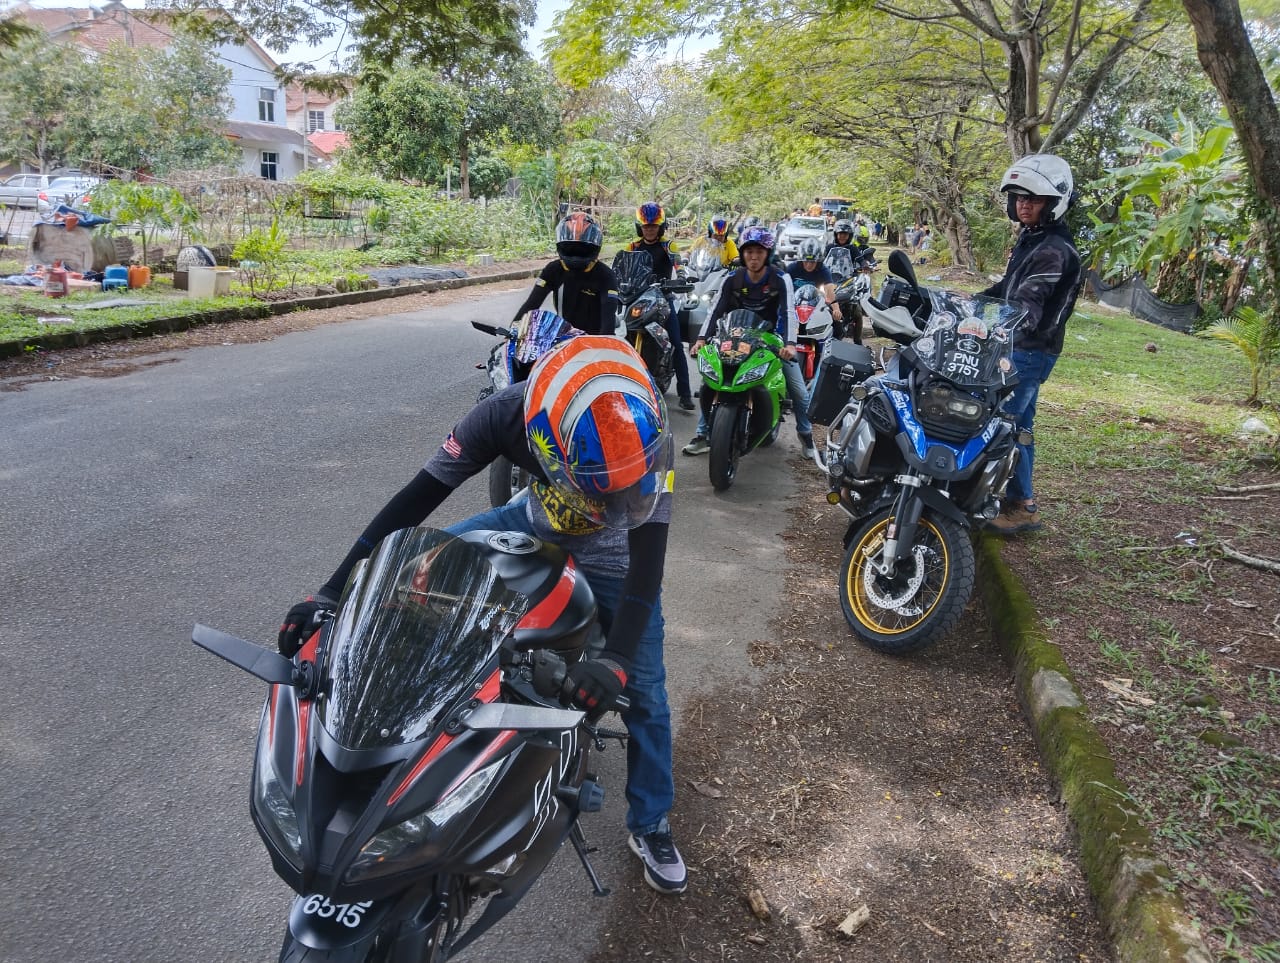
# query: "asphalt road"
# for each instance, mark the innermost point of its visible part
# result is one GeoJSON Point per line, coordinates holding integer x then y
{"type": "Point", "coordinates": [220, 487]}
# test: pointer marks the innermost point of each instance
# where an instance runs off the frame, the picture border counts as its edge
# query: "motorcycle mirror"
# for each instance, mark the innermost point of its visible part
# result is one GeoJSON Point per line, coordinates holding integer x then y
{"type": "Point", "coordinates": [263, 663]}
{"type": "Point", "coordinates": [491, 329]}
{"type": "Point", "coordinates": [900, 265]}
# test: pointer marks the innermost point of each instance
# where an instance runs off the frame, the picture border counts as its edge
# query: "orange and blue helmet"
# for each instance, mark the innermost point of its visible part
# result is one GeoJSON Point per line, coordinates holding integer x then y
{"type": "Point", "coordinates": [651, 212]}
{"type": "Point", "coordinates": [578, 240]}
{"type": "Point", "coordinates": [718, 228]}
{"type": "Point", "coordinates": [598, 427]}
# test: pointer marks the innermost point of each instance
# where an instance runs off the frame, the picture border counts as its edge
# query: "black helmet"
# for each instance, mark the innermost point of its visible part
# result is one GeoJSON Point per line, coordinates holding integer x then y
{"type": "Point", "coordinates": [578, 239]}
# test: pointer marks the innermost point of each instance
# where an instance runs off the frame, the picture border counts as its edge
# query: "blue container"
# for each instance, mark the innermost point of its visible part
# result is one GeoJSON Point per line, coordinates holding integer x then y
{"type": "Point", "coordinates": [116, 276]}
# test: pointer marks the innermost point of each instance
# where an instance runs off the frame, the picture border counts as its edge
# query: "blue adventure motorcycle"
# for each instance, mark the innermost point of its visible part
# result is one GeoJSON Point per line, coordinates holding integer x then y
{"type": "Point", "coordinates": [917, 455]}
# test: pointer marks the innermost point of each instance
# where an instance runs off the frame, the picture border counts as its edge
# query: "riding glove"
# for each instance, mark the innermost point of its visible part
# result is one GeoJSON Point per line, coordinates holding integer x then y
{"type": "Point", "coordinates": [302, 622]}
{"type": "Point", "coordinates": [595, 684]}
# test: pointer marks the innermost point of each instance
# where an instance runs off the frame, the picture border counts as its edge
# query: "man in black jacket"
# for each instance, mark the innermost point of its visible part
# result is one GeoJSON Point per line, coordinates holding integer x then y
{"type": "Point", "coordinates": [1043, 276]}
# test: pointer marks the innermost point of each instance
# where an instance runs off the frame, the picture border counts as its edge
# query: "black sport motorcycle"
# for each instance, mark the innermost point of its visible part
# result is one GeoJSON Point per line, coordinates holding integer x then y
{"type": "Point", "coordinates": [416, 769]}
{"type": "Point", "coordinates": [917, 455]}
{"type": "Point", "coordinates": [645, 311]}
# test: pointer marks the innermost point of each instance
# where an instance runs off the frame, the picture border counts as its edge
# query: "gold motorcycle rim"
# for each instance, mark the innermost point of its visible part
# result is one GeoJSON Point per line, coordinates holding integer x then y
{"type": "Point", "coordinates": [891, 607]}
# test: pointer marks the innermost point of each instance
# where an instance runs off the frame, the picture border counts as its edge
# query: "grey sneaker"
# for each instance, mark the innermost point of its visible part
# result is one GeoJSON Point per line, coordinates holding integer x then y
{"type": "Point", "coordinates": [663, 868]}
{"type": "Point", "coordinates": [697, 446]}
{"type": "Point", "coordinates": [807, 442]}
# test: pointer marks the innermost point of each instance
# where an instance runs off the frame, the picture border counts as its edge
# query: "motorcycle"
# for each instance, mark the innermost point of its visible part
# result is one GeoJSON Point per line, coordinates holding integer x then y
{"type": "Point", "coordinates": [742, 391]}
{"type": "Point", "coordinates": [415, 761]}
{"type": "Point", "coordinates": [704, 269]}
{"type": "Point", "coordinates": [645, 311]}
{"type": "Point", "coordinates": [916, 455]}
{"type": "Point", "coordinates": [815, 329]}
{"type": "Point", "coordinates": [510, 362]}
{"type": "Point", "coordinates": [852, 285]}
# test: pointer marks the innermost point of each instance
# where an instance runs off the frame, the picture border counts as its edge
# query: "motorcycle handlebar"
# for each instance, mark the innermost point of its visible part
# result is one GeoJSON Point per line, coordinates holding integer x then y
{"type": "Point", "coordinates": [550, 679]}
{"type": "Point", "coordinates": [676, 287]}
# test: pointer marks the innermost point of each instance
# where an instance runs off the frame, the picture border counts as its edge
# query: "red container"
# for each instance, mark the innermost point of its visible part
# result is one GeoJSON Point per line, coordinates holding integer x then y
{"type": "Point", "coordinates": [55, 281]}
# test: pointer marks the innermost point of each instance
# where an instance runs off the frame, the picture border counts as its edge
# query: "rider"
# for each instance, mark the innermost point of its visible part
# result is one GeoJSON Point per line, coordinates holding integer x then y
{"type": "Point", "coordinates": [718, 230]}
{"type": "Point", "coordinates": [1042, 276]}
{"type": "Point", "coordinates": [810, 270]}
{"type": "Point", "coordinates": [766, 290]}
{"type": "Point", "coordinates": [588, 290]}
{"type": "Point", "coordinates": [651, 225]}
{"type": "Point", "coordinates": [592, 430]}
{"type": "Point", "coordinates": [842, 237]}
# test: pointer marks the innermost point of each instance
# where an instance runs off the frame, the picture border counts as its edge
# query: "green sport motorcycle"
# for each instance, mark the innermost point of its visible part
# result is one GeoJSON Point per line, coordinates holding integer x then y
{"type": "Point", "coordinates": [742, 391]}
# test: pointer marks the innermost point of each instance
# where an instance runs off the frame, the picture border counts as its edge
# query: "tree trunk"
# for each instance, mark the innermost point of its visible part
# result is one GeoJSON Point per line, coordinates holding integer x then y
{"type": "Point", "coordinates": [464, 171]}
{"type": "Point", "coordinates": [1227, 56]}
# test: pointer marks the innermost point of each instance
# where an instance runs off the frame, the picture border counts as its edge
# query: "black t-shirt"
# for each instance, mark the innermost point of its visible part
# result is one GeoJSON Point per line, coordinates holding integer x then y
{"type": "Point", "coordinates": [588, 299]}
{"type": "Point", "coordinates": [660, 251]}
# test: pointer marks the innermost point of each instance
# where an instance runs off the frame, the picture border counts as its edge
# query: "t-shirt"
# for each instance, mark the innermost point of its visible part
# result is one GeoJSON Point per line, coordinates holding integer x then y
{"type": "Point", "coordinates": [588, 299]}
{"type": "Point", "coordinates": [802, 275]}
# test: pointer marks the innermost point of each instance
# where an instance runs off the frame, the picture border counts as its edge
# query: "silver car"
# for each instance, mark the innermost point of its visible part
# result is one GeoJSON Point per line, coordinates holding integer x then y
{"type": "Point", "coordinates": [72, 190]}
{"type": "Point", "coordinates": [796, 231]}
{"type": "Point", "coordinates": [23, 190]}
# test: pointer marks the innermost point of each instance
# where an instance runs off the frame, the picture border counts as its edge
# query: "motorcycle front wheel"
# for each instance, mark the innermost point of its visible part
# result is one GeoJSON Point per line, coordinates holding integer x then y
{"type": "Point", "coordinates": [505, 479]}
{"type": "Point", "coordinates": [725, 451]}
{"type": "Point", "coordinates": [659, 364]}
{"type": "Point", "coordinates": [922, 600]}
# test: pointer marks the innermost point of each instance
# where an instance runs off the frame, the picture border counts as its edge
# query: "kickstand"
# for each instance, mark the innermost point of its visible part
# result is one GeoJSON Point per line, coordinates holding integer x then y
{"type": "Point", "coordinates": [583, 850]}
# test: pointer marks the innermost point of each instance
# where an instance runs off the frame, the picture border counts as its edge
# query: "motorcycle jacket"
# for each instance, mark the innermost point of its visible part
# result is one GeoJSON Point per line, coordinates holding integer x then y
{"type": "Point", "coordinates": [1043, 276]}
{"type": "Point", "coordinates": [770, 297]}
{"type": "Point", "coordinates": [495, 426]}
{"type": "Point", "coordinates": [662, 254]}
{"type": "Point", "coordinates": [588, 299]}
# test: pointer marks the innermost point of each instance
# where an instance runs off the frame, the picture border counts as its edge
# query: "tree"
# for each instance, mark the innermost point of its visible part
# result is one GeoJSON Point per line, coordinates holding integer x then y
{"type": "Point", "coordinates": [38, 82]}
{"type": "Point", "coordinates": [405, 127]}
{"type": "Point", "coordinates": [1228, 57]}
{"type": "Point", "coordinates": [591, 168]}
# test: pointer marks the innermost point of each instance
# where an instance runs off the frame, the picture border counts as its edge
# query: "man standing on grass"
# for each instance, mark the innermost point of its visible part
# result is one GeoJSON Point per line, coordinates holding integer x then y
{"type": "Point", "coordinates": [1043, 277]}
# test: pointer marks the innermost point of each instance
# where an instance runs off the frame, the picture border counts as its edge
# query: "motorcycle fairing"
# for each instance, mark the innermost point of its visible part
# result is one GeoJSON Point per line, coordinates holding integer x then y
{"type": "Point", "coordinates": [937, 458]}
{"type": "Point", "coordinates": [634, 273]}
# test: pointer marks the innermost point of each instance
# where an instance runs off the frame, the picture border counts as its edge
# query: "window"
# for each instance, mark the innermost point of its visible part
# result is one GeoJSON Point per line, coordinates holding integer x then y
{"type": "Point", "coordinates": [269, 165]}
{"type": "Point", "coordinates": [315, 121]}
{"type": "Point", "coordinates": [267, 104]}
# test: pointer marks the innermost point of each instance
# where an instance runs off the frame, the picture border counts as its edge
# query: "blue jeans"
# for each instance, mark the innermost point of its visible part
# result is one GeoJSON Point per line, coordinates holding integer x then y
{"type": "Point", "coordinates": [1033, 371]}
{"type": "Point", "coordinates": [679, 360]}
{"type": "Point", "coordinates": [650, 789]}
{"type": "Point", "coordinates": [796, 391]}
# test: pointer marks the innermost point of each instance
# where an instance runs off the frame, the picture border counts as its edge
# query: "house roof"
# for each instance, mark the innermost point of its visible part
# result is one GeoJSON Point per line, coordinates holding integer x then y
{"type": "Point", "coordinates": [271, 133]}
{"type": "Point", "coordinates": [327, 141]}
{"type": "Point", "coordinates": [315, 100]}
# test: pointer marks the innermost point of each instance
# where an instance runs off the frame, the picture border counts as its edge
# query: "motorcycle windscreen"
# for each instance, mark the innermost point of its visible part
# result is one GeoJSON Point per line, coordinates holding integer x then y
{"type": "Point", "coordinates": [634, 271]}
{"type": "Point", "coordinates": [418, 622]}
{"type": "Point", "coordinates": [738, 335]}
{"type": "Point", "coordinates": [969, 339]}
{"type": "Point", "coordinates": [839, 262]}
{"type": "Point", "coordinates": [704, 256]}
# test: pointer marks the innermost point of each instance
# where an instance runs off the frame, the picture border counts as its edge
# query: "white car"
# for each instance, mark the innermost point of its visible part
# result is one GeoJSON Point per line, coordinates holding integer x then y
{"type": "Point", "coordinates": [796, 231]}
{"type": "Point", "coordinates": [23, 190]}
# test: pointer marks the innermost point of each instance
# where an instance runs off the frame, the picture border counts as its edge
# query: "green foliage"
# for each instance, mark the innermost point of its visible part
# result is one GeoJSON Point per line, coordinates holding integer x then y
{"type": "Point", "coordinates": [152, 207]}
{"type": "Point", "coordinates": [261, 256]}
{"type": "Point", "coordinates": [489, 175]}
{"type": "Point", "coordinates": [39, 79]}
{"type": "Point", "coordinates": [1252, 334]}
{"type": "Point", "coordinates": [407, 126]}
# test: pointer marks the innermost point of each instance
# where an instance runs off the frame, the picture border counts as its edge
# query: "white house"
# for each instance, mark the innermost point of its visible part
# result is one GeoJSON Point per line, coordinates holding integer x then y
{"type": "Point", "coordinates": [258, 121]}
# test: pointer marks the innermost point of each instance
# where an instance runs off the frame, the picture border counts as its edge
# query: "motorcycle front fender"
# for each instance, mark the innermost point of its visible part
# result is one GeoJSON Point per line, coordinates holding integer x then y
{"type": "Point", "coordinates": [347, 931]}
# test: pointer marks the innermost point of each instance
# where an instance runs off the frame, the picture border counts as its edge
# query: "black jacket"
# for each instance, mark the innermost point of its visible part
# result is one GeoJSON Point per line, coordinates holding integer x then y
{"type": "Point", "coordinates": [1043, 276]}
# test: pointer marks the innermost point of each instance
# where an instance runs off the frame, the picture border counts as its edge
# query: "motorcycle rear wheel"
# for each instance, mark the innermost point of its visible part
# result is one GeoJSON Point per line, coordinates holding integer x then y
{"type": "Point", "coordinates": [923, 601]}
{"type": "Point", "coordinates": [505, 479]}
{"type": "Point", "coordinates": [722, 461]}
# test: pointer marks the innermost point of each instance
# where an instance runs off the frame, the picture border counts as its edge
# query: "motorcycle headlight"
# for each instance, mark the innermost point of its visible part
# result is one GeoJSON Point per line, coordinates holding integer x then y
{"type": "Point", "coordinates": [706, 367]}
{"type": "Point", "coordinates": [396, 848]}
{"type": "Point", "coordinates": [275, 811]}
{"type": "Point", "coordinates": [754, 372]}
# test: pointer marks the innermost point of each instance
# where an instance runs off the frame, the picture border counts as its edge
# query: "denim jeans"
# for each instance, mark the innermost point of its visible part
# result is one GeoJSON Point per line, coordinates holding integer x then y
{"type": "Point", "coordinates": [796, 391]}
{"type": "Point", "coordinates": [650, 786]}
{"type": "Point", "coordinates": [1033, 371]}
{"type": "Point", "coordinates": [679, 358]}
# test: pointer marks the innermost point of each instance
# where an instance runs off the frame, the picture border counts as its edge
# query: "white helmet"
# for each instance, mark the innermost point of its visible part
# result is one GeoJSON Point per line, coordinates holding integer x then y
{"type": "Point", "coordinates": [810, 249]}
{"type": "Point", "coordinates": [1040, 175]}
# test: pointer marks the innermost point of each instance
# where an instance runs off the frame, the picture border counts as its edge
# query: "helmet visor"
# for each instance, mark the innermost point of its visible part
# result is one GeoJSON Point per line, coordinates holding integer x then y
{"type": "Point", "coordinates": [589, 494]}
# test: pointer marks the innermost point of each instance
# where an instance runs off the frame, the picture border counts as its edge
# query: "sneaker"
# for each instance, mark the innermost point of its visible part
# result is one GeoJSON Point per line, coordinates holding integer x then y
{"type": "Point", "coordinates": [807, 442]}
{"type": "Point", "coordinates": [687, 403]}
{"type": "Point", "coordinates": [663, 868]}
{"type": "Point", "coordinates": [1015, 520]}
{"type": "Point", "coordinates": [697, 446]}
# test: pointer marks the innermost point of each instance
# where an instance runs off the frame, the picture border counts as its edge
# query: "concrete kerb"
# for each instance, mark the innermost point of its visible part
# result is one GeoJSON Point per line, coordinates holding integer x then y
{"type": "Point", "coordinates": [56, 340]}
{"type": "Point", "coordinates": [1132, 887]}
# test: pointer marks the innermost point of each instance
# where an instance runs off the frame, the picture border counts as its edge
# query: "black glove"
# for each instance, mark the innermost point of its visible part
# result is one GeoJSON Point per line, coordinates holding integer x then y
{"type": "Point", "coordinates": [301, 623]}
{"type": "Point", "coordinates": [595, 684]}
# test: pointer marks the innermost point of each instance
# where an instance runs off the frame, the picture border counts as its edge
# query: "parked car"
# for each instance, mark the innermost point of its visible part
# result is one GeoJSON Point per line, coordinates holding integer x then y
{"type": "Point", "coordinates": [798, 229]}
{"type": "Point", "coordinates": [73, 191]}
{"type": "Point", "coordinates": [23, 190]}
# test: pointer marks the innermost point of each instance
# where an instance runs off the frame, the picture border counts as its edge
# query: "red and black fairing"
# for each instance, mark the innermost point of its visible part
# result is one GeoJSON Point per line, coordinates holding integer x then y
{"type": "Point", "coordinates": [370, 767]}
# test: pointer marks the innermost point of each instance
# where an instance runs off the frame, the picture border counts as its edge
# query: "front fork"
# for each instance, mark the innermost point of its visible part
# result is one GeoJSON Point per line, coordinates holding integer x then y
{"type": "Point", "coordinates": [900, 533]}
